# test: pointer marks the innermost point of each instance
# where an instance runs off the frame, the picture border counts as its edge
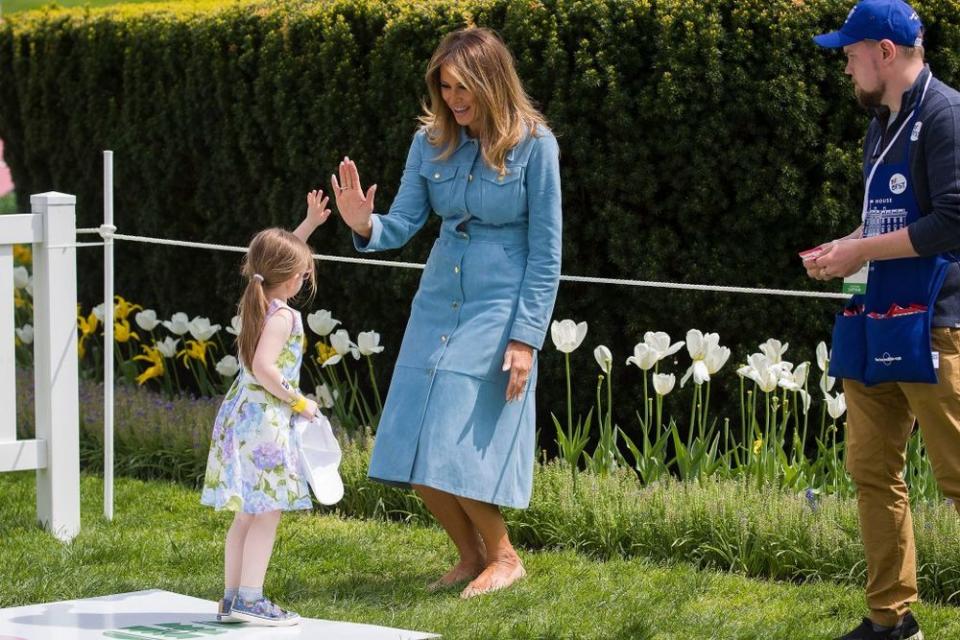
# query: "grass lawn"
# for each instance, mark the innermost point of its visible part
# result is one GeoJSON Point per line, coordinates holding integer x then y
{"type": "Point", "coordinates": [374, 572]}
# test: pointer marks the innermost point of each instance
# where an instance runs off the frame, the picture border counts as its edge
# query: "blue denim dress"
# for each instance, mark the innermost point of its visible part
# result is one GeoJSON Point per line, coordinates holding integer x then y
{"type": "Point", "coordinates": [491, 277]}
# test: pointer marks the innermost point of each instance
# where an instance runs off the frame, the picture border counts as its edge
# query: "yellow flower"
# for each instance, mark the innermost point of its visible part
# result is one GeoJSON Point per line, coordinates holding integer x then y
{"type": "Point", "coordinates": [152, 355]}
{"type": "Point", "coordinates": [324, 352]}
{"type": "Point", "coordinates": [757, 444]}
{"type": "Point", "coordinates": [22, 254]}
{"type": "Point", "coordinates": [122, 332]}
{"type": "Point", "coordinates": [196, 349]}
{"type": "Point", "coordinates": [122, 308]}
{"type": "Point", "coordinates": [89, 325]}
{"type": "Point", "coordinates": [18, 300]}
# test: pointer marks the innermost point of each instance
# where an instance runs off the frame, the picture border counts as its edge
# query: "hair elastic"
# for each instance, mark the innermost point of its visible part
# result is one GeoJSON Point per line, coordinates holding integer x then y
{"type": "Point", "coordinates": [257, 277]}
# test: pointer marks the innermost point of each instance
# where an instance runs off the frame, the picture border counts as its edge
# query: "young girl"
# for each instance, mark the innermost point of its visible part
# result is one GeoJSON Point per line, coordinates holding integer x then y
{"type": "Point", "coordinates": [253, 467]}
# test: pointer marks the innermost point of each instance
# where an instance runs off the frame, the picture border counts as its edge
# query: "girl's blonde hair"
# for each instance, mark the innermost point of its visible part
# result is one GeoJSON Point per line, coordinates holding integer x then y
{"type": "Point", "coordinates": [477, 57]}
{"type": "Point", "coordinates": [274, 256]}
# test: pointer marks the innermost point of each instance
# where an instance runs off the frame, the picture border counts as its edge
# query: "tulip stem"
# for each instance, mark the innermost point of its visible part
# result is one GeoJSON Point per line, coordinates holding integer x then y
{"type": "Point", "coordinates": [376, 390]}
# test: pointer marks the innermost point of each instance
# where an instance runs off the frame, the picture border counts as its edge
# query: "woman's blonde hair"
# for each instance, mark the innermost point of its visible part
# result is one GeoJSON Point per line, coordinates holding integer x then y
{"type": "Point", "coordinates": [477, 57]}
{"type": "Point", "coordinates": [274, 256]}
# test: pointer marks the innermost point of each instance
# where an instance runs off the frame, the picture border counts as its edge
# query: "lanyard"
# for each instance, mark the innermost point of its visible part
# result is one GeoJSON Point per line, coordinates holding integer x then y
{"type": "Point", "coordinates": [879, 161]}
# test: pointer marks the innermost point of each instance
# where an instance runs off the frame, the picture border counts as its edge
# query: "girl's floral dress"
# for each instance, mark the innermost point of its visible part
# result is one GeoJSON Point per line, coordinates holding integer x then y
{"type": "Point", "coordinates": [254, 463]}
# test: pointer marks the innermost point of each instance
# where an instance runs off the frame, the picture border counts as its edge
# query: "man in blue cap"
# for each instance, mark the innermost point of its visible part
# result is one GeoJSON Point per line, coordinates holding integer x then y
{"type": "Point", "coordinates": [897, 346]}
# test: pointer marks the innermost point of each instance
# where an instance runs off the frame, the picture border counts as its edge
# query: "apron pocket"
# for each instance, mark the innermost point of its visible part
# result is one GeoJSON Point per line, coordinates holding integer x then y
{"type": "Point", "coordinates": [898, 349]}
{"type": "Point", "coordinates": [848, 347]}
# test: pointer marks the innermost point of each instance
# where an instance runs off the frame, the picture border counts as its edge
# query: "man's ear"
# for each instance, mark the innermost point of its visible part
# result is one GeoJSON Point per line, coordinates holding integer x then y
{"type": "Point", "coordinates": [888, 50]}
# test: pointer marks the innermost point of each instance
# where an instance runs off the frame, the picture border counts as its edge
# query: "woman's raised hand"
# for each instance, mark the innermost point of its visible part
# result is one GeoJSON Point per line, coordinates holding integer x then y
{"type": "Point", "coordinates": [354, 206]}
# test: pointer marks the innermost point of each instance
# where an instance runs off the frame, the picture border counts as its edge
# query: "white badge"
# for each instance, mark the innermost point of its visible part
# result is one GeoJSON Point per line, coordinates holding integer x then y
{"type": "Point", "coordinates": [898, 183]}
{"type": "Point", "coordinates": [916, 132]}
{"type": "Point", "coordinates": [936, 359]}
{"type": "Point", "coordinates": [856, 283]}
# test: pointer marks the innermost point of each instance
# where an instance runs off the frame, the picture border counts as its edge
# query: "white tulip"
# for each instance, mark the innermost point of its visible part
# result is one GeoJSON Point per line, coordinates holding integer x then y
{"type": "Point", "coordinates": [322, 322]}
{"type": "Point", "coordinates": [699, 344]}
{"type": "Point", "coordinates": [659, 341]}
{"type": "Point", "coordinates": [341, 343]}
{"type": "Point", "coordinates": [147, 319]}
{"type": "Point", "coordinates": [774, 350]}
{"type": "Point", "coordinates": [823, 356]}
{"type": "Point", "coordinates": [167, 347]}
{"type": "Point", "coordinates": [663, 383]}
{"type": "Point", "coordinates": [332, 360]}
{"type": "Point", "coordinates": [826, 383]}
{"type": "Point", "coordinates": [368, 342]}
{"type": "Point", "coordinates": [201, 329]}
{"type": "Point", "coordinates": [796, 379]}
{"type": "Point", "coordinates": [805, 399]}
{"type": "Point", "coordinates": [716, 358]}
{"type": "Point", "coordinates": [604, 358]}
{"type": "Point", "coordinates": [98, 311]}
{"type": "Point", "coordinates": [178, 324]}
{"type": "Point", "coordinates": [707, 355]}
{"type": "Point", "coordinates": [236, 324]}
{"type": "Point", "coordinates": [324, 397]}
{"type": "Point", "coordinates": [568, 335]}
{"type": "Point", "coordinates": [228, 366]}
{"type": "Point", "coordinates": [643, 356]}
{"type": "Point", "coordinates": [836, 405]}
{"type": "Point", "coordinates": [21, 277]}
{"type": "Point", "coordinates": [767, 379]}
{"type": "Point", "coordinates": [763, 372]}
{"type": "Point", "coordinates": [699, 372]}
{"type": "Point", "coordinates": [25, 334]}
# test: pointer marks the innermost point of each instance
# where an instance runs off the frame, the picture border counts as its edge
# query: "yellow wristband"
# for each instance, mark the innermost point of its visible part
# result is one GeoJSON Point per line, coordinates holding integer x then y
{"type": "Point", "coordinates": [299, 405]}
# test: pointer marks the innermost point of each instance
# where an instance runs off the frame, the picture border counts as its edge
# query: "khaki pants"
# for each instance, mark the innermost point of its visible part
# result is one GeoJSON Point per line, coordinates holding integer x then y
{"type": "Point", "coordinates": [879, 422]}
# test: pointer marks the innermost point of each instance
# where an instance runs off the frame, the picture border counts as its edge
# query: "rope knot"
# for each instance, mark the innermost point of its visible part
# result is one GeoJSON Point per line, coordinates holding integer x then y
{"type": "Point", "coordinates": [106, 231]}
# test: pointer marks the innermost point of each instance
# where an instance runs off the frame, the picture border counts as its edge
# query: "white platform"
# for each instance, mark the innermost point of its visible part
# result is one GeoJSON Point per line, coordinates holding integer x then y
{"type": "Point", "coordinates": [161, 615]}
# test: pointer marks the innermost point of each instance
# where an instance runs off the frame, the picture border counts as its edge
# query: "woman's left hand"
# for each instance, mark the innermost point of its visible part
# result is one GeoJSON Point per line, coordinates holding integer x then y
{"type": "Point", "coordinates": [518, 360]}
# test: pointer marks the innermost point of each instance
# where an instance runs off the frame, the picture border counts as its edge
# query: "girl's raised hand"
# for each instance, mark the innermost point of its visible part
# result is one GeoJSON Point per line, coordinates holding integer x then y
{"type": "Point", "coordinates": [354, 206]}
{"type": "Point", "coordinates": [317, 211]}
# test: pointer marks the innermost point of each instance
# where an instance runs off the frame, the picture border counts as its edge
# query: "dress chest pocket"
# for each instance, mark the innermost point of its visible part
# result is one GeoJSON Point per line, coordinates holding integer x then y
{"type": "Point", "coordinates": [503, 198]}
{"type": "Point", "coordinates": [440, 183]}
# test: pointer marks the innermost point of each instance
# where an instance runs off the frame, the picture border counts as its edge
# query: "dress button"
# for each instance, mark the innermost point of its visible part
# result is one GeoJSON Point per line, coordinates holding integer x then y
{"type": "Point", "coordinates": [470, 178]}
{"type": "Point", "coordinates": [463, 235]}
{"type": "Point", "coordinates": [443, 338]}
{"type": "Point", "coordinates": [456, 269]}
{"type": "Point", "coordinates": [499, 178]}
{"type": "Point", "coordinates": [455, 304]}
{"type": "Point", "coordinates": [436, 176]}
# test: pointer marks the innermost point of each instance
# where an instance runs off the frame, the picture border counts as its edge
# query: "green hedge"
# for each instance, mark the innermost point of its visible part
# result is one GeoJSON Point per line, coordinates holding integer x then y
{"type": "Point", "coordinates": [701, 140]}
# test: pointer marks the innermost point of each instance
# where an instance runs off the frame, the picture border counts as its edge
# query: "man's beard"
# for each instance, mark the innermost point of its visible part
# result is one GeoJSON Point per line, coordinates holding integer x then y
{"type": "Point", "coordinates": [870, 99]}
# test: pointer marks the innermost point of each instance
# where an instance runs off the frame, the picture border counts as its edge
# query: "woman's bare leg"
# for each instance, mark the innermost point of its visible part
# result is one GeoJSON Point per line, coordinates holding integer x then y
{"type": "Point", "coordinates": [446, 509]}
{"type": "Point", "coordinates": [503, 564]}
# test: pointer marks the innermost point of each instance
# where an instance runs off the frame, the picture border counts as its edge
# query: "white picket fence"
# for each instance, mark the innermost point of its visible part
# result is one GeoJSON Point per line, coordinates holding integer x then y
{"type": "Point", "coordinates": [55, 450]}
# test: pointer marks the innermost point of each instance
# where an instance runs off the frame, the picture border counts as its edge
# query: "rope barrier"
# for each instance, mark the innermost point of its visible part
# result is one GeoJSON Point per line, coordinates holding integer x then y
{"type": "Point", "coordinates": [109, 233]}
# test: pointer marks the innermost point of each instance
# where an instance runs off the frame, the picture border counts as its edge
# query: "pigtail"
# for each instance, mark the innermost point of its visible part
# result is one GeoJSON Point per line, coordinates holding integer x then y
{"type": "Point", "coordinates": [253, 310]}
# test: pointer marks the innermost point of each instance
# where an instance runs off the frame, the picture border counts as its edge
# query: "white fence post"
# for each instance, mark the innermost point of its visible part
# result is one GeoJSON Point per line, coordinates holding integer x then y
{"type": "Point", "coordinates": [108, 344]}
{"type": "Point", "coordinates": [56, 364]}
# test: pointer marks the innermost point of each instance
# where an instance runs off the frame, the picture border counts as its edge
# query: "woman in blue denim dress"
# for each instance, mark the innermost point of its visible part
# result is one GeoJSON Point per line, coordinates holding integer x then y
{"type": "Point", "coordinates": [459, 424]}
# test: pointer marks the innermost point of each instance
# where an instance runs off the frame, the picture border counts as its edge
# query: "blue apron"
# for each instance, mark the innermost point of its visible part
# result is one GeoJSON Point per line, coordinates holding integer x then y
{"type": "Point", "coordinates": [881, 349]}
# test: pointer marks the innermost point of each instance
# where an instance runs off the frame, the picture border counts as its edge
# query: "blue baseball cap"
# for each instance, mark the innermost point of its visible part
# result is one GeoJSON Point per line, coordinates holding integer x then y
{"type": "Point", "coordinates": [893, 20]}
